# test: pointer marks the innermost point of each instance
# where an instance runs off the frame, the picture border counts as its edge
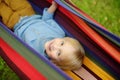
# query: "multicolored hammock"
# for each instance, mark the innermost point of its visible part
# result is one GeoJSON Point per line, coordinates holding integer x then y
{"type": "Point", "coordinates": [102, 60]}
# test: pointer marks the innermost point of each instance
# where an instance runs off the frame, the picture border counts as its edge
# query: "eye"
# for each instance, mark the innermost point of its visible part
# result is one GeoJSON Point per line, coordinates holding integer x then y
{"type": "Point", "coordinates": [62, 43]}
{"type": "Point", "coordinates": [58, 53]}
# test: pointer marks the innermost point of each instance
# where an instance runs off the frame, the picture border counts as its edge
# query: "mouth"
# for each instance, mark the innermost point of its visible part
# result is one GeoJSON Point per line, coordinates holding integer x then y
{"type": "Point", "coordinates": [50, 46]}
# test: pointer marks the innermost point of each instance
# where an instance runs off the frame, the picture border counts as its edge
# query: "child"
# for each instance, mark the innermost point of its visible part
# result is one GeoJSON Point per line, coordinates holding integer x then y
{"type": "Point", "coordinates": [42, 33]}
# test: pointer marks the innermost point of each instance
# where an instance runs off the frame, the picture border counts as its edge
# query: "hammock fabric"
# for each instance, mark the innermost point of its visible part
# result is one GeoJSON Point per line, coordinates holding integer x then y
{"type": "Point", "coordinates": [102, 60]}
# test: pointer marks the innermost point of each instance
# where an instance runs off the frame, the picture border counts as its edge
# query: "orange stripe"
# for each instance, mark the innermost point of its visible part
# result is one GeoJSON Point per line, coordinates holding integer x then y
{"type": "Point", "coordinates": [86, 75]}
{"type": "Point", "coordinates": [97, 70]}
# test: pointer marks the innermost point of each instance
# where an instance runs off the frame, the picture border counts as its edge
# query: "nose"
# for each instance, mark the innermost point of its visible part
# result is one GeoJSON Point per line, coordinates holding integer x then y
{"type": "Point", "coordinates": [56, 47]}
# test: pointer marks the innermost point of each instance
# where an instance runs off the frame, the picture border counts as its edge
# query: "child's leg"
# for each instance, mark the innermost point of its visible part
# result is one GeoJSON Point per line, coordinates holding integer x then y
{"type": "Point", "coordinates": [22, 7]}
{"type": "Point", "coordinates": [16, 9]}
{"type": "Point", "coordinates": [5, 13]}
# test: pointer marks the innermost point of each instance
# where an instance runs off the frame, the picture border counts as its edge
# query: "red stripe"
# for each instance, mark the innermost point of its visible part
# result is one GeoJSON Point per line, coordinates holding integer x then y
{"type": "Point", "coordinates": [20, 62]}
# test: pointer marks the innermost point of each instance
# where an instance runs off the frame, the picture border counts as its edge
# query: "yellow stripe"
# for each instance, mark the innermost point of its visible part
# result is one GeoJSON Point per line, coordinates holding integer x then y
{"type": "Point", "coordinates": [97, 70]}
{"type": "Point", "coordinates": [72, 75]}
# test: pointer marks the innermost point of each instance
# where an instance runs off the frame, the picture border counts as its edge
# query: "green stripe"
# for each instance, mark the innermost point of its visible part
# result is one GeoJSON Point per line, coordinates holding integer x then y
{"type": "Point", "coordinates": [34, 60]}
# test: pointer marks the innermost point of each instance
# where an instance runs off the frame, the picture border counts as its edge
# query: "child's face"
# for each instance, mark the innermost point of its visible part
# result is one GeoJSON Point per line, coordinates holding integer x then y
{"type": "Point", "coordinates": [59, 48]}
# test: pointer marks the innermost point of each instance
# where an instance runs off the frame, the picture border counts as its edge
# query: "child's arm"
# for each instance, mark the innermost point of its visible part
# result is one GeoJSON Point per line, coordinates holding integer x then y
{"type": "Point", "coordinates": [49, 12]}
{"type": "Point", "coordinates": [53, 7]}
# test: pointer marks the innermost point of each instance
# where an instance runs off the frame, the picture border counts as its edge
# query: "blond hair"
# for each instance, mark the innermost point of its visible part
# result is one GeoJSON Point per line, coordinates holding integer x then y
{"type": "Point", "coordinates": [73, 61]}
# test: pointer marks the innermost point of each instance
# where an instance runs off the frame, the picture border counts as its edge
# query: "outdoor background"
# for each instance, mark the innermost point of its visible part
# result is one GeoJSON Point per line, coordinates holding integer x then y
{"type": "Point", "coordinates": [106, 12]}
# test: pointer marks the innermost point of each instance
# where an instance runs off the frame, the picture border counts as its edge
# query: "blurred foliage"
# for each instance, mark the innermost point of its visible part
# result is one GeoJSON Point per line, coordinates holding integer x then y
{"type": "Point", "coordinates": [106, 12]}
{"type": "Point", "coordinates": [6, 73]}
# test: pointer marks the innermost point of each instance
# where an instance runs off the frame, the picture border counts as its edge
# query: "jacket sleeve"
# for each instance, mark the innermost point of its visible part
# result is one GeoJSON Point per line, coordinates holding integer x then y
{"type": "Point", "coordinates": [47, 15]}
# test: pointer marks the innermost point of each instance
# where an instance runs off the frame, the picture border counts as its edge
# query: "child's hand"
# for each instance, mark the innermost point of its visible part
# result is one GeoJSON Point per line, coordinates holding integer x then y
{"type": "Point", "coordinates": [53, 7]}
{"type": "Point", "coordinates": [54, 4]}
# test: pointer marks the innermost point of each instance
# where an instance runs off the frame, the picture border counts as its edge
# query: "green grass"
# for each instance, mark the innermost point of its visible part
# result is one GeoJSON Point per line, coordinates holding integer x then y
{"type": "Point", "coordinates": [6, 73]}
{"type": "Point", "coordinates": [106, 12]}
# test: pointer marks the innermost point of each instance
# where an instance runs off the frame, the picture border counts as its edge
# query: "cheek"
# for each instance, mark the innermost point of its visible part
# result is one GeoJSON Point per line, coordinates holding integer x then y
{"type": "Point", "coordinates": [53, 55]}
